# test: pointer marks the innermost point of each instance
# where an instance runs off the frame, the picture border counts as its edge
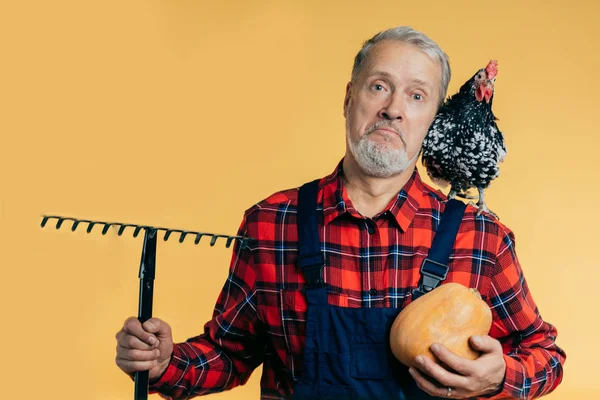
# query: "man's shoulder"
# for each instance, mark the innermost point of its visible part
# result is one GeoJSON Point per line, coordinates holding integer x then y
{"type": "Point", "coordinates": [265, 220]}
{"type": "Point", "coordinates": [487, 230]}
{"type": "Point", "coordinates": [484, 222]}
{"type": "Point", "coordinates": [277, 203]}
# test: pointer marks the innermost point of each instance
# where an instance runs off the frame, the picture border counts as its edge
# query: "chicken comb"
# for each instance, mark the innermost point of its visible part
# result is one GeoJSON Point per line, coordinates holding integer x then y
{"type": "Point", "coordinates": [492, 69]}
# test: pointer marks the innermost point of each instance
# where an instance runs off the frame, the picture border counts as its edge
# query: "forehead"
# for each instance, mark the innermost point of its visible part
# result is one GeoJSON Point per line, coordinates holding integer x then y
{"type": "Point", "coordinates": [402, 61]}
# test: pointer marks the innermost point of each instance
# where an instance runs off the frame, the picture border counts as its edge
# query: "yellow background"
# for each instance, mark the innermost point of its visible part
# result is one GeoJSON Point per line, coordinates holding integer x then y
{"type": "Point", "coordinates": [185, 113]}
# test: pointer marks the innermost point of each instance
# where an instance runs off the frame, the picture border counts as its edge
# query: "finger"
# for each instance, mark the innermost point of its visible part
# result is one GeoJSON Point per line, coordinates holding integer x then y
{"type": "Point", "coordinates": [132, 342]}
{"type": "Point", "coordinates": [459, 364]}
{"type": "Point", "coordinates": [440, 374]}
{"type": "Point", "coordinates": [137, 355]}
{"type": "Point", "coordinates": [135, 366]}
{"type": "Point", "coordinates": [158, 327]}
{"type": "Point", "coordinates": [433, 388]}
{"type": "Point", "coordinates": [485, 344]}
{"type": "Point", "coordinates": [132, 326]}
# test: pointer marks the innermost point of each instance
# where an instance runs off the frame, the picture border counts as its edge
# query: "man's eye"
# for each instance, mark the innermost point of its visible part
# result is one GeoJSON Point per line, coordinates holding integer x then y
{"type": "Point", "coordinates": [378, 87]}
{"type": "Point", "coordinates": [417, 97]}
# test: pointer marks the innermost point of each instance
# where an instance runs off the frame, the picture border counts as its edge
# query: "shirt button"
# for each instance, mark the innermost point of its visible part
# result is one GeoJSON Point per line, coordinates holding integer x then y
{"type": "Point", "coordinates": [373, 291]}
{"type": "Point", "coordinates": [371, 230]}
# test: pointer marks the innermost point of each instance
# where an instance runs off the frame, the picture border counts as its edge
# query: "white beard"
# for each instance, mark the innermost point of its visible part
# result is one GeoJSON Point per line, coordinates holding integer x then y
{"type": "Point", "coordinates": [378, 160]}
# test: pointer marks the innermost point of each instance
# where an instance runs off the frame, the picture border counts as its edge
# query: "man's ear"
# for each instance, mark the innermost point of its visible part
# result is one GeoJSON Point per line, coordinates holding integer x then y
{"type": "Point", "coordinates": [347, 97]}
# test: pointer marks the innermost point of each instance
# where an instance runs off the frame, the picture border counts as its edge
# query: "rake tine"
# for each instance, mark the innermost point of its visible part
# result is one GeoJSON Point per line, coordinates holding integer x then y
{"type": "Point", "coordinates": [122, 228]}
{"type": "Point", "coordinates": [91, 226]}
{"type": "Point", "coordinates": [198, 237]}
{"type": "Point", "coordinates": [168, 233]}
{"type": "Point", "coordinates": [215, 237]}
{"type": "Point", "coordinates": [107, 226]}
{"type": "Point", "coordinates": [182, 236]}
{"type": "Point", "coordinates": [76, 224]}
{"type": "Point", "coordinates": [137, 231]}
{"type": "Point", "coordinates": [59, 223]}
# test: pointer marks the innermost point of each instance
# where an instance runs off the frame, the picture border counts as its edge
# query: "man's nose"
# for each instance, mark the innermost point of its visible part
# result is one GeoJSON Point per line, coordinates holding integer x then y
{"type": "Point", "coordinates": [394, 108]}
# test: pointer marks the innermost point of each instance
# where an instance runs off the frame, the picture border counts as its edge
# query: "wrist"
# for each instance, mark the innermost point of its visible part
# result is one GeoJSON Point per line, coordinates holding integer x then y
{"type": "Point", "coordinates": [160, 371]}
{"type": "Point", "coordinates": [498, 387]}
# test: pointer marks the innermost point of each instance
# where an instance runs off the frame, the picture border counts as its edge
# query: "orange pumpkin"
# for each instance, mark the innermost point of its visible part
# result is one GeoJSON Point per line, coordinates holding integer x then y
{"type": "Point", "coordinates": [449, 315]}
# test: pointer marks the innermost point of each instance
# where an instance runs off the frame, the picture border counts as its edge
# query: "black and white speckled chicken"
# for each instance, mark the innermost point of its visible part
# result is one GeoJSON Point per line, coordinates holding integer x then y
{"type": "Point", "coordinates": [464, 146]}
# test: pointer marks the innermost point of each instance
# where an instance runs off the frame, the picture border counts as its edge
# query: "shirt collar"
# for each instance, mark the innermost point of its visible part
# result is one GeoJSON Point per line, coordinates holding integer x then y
{"type": "Point", "coordinates": [402, 208]}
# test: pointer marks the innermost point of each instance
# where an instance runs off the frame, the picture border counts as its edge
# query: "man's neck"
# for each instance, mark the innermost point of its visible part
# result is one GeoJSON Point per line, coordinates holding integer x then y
{"type": "Point", "coordinates": [370, 195]}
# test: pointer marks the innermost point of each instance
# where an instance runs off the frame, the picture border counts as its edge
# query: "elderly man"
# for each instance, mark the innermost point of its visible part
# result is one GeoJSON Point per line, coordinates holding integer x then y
{"type": "Point", "coordinates": [313, 297]}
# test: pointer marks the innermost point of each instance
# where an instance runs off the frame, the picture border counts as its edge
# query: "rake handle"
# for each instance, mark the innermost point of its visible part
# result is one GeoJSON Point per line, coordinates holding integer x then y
{"type": "Point", "coordinates": [146, 275]}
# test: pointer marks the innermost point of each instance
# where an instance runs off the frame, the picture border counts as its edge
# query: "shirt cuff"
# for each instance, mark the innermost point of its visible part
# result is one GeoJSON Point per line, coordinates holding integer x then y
{"type": "Point", "coordinates": [170, 376]}
{"type": "Point", "coordinates": [505, 391]}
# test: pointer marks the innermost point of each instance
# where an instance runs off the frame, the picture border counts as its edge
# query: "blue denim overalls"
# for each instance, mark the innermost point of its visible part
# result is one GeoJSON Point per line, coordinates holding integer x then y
{"type": "Point", "coordinates": [347, 354]}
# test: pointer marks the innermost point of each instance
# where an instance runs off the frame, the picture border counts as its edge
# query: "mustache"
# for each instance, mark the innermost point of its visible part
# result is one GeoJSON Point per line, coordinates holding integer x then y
{"type": "Point", "coordinates": [384, 124]}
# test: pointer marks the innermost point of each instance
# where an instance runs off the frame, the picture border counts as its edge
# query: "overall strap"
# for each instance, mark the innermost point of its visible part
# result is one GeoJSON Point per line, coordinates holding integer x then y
{"type": "Point", "coordinates": [310, 257]}
{"type": "Point", "coordinates": [435, 267]}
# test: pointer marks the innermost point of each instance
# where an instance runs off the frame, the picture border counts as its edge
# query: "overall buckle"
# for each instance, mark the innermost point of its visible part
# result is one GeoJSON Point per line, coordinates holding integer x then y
{"type": "Point", "coordinates": [312, 266]}
{"type": "Point", "coordinates": [432, 273]}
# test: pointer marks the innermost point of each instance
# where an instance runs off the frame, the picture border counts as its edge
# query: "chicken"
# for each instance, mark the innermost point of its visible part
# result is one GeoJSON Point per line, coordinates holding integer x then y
{"type": "Point", "coordinates": [464, 146]}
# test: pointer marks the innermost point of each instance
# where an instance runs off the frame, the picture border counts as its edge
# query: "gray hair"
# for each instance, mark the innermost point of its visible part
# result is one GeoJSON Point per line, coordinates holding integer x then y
{"type": "Point", "coordinates": [407, 35]}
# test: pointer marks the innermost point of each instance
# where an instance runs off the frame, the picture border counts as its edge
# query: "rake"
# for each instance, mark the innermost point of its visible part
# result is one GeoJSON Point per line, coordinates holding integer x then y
{"type": "Point", "coordinates": [147, 266]}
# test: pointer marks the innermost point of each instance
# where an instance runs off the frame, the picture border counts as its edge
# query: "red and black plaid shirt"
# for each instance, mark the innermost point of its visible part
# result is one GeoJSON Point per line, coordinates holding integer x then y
{"type": "Point", "coordinates": [260, 314]}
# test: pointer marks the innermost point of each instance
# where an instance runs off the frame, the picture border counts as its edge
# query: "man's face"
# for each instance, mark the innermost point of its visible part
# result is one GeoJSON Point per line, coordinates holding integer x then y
{"type": "Point", "coordinates": [389, 108]}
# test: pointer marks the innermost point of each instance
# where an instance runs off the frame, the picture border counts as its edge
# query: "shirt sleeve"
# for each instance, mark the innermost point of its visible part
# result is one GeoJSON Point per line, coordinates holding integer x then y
{"type": "Point", "coordinates": [534, 363]}
{"type": "Point", "coordinates": [231, 346]}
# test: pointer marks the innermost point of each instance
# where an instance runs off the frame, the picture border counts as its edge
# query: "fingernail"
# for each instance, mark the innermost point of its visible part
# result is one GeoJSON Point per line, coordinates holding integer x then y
{"type": "Point", "coordinates": [420, 360]}
{"type": "Point", "coordinates": [435, 348]}
{"type": "Point", "coordinates": [152, 340]}
{"type": "Point", "coordinates": [149, 325]}
{"type": "Point", "coordinates": [411, 371]}
{"type": "Point", "coordinates": [155, 363]}
{"type": "Point", "coordinates": [476, 340]}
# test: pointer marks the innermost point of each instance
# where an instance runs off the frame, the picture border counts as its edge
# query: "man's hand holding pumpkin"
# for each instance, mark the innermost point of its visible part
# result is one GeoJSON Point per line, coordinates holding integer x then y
{"type": "Point", "coordinates": [457, 377]}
